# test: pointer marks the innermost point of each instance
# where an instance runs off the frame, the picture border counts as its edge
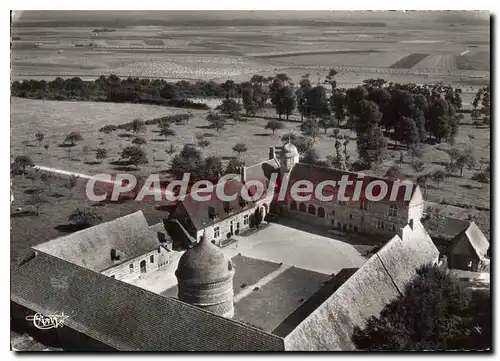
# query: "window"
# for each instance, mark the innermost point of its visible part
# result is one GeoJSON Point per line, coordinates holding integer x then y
{"type": "Point", "coordinates": [393, 227]}
{"type": "Point", "coordinates": [245, 219]}
{"type": "Point", "coordinates": [393, 210]}
{"type": "Point", "coordinates": [321, 212]}
{"type": "Point", "coordinates": [380, 225]}
{"type": "Point", "coordinates": [311, 209]}
{"type": "Point", "coordinates": [302, 207]}
{"type": "Point", "coordinates": [112, 276]}
{"type": "Point", "coordinates": [131, 268]}
{"type": "Point", "coordinates": [363, 205]}
{"type": "Point", "coordinates": [216, 232]}
{"type": "Point", "coordinates": [152, 258]}
{"type": "Point", "coordinates": [293, 205]}
{"type": "Point", "coordinates": [333, 213]}
{"type": "Point", "coordinates": [350, 216]}
{"type": "Point", "coordinates": [356, 229]}
{"type": "Point", "coordinates": [159, 250]}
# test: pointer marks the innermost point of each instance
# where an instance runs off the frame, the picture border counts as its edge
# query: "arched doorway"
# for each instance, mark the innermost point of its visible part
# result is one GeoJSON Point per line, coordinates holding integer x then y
{"type": "Point", "coordinates": [143, 266]}
{"type": "Point", "coordinates": [311, 209]}
{"type": "Point", "coordinates": [302, 207]}
{"type": "Point", "coordinates": [321, 212]}
{"type": "Point", "coordinates": [293, 205]}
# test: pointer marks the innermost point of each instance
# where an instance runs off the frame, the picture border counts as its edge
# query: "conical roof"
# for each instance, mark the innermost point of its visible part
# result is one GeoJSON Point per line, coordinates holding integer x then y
{"type": "Point", "coordinates": [204, 263]}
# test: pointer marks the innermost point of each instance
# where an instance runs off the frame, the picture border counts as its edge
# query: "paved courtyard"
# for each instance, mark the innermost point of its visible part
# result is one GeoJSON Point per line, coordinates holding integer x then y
{"type": "Point", "coordinates": [275, 243]}
{"type": "Point", "coordinates": [279, 243]}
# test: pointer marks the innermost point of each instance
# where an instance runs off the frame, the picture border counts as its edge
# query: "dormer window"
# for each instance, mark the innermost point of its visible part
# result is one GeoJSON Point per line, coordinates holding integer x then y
{"type": "Point", "coordinates": [212, 214]}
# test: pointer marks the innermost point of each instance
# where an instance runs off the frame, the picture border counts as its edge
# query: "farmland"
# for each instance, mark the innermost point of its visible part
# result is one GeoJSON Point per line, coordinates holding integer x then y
{"type": "Point", "coordinates": [422, 52]}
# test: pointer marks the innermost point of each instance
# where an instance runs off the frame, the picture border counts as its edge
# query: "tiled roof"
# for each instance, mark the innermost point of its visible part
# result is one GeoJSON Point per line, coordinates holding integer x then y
{"type": "Point", "coordinates": [476, 239]}
{"type": "Point", "coordinates": [198, 210]}
{"type": "Point", "coordinates": [317, 174]}
{"type": "Point", "coordinates": [127, 317]}
{"type": "Point", "coordinates": [374, 285]}
{"type": "Point", "coordinates": [91, 248]}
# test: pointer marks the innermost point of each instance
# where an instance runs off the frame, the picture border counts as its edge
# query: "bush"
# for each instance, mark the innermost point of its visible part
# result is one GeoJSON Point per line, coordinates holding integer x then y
{"type": "Point", "coordinates": [85, 217]}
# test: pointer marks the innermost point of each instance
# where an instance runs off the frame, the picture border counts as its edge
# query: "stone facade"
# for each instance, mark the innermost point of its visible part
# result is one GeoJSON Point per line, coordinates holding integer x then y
{"type": "Point", "coordinates": [131, 269]}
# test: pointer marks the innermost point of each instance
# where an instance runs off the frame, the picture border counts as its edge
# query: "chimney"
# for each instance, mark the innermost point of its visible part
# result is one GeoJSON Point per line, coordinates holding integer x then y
{"type": "Point", "coordinates": [243, 174]}
{"type": "Point", "coordinates": [272, 153]}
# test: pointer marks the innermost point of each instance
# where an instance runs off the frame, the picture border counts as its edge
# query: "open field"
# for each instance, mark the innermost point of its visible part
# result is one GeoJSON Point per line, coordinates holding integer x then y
{"type": "Point", "coordinates": [222, 52]}
{"type": "Point", "coordinates": [57, 119]}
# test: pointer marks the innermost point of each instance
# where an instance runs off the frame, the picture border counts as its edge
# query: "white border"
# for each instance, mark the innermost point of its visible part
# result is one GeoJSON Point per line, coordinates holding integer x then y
{"type": "Point", "coordinates": [194, 5]}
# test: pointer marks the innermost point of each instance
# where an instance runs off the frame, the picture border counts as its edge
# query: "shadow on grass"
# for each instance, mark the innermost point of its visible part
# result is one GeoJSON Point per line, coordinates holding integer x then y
{"type": "Point", "coordinates": [441, 163]}
{"type": "Point", "coordinates": [56, 195]}
{"type": "Point", "coordinates": [125, 168]}
{"type": "Point", "coordinates": [229, 157]}
{"type": "Point", "coordinates": [468, 186]}
{"type": "Point", "coordinates": [208, 135]}
{"type": "Point", "coordinates": [23, 214]}
{"type": "Point", "coordinates": [69, 228]}
{"type": "Point", "coordinates": [120, 162]}
{"type": "Point", "coordinates": [262, 134]}
{"type": "Point", "coordinates": [158, 140]}
{"type": "Point", "coordinates": [33, 191]}
{"type": "Point", "coordinates": [92, 162]}
{"type": "Point", "coordinates": [204, 127]}
{"type": "Point", "coordinates": [125, 135]}
{"type": "Point", "coordinates": [66, 145]}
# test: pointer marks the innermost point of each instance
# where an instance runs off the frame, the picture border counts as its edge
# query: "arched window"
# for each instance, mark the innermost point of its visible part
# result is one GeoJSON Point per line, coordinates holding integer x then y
{"type": "Point", "coordinates": [321, 212]}
{"type": "Point", "coordinates": [311, 209]}
{"type": "Point", "coordinates": [302, 207]}
{"type": "Point", "coordinates": [293, 206]}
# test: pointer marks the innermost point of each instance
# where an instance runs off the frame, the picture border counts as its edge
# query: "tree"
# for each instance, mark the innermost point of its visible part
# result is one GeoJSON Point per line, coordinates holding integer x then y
{"type": "Point", "coordinates": [139, 141]}
{"type": "Point", "coordinates": [213, 168]}
{"type": "Point", "coordinates": [37, 200]}
{"type": "Point", "coordinates": [72, 138]}
{"type": "Point", "coordinates": [274, 125]}
{"type": "Point", "coordinates": [438, 176]}
{"type": "Point", "coordinates": [465, 159]}
{"type": "Point", "coordinates": [330, 79]}
{"type": "Point", "coordinates": [135, 155]}
{"type": "Point", "coordinates": [189, 160]}
{"type": "Point", "coordinates": [85, 217]}
{"type": "Point", "coordinates": [371, 146]}
{"type": "Point", "coordinates": [23, 161]}
{"type": "Point", "coordinates": [435, 312]}
{"type": "Point", "coordinates": [166, 132]}
{"type": "Point", "coordinates": [202, 143]}
{"type": "Point", "coordinates": [310, 127]}
{"type": "Point", "coordinates": [218, 122]}
{"type": "Point", "coordinates": [46, 146]}
{"type": "Point", "coordinates": [170, 150]}
{"type": "Point", "coordinates": [393, 172]}
{"type": "Point", "coordinates": [311, 156]}
{"type": "Point", "coordinates": [138, 126]}
{"type": "Point", "coordinates": [240, 148]}
{"type": "Point", "coordinates": [434, 218]}
{"type": "Point", "coordinates": [40, 137]}
{"type": "Point", "coordinates": [101, 154]}
{"type": "Point", "coordinates": [72, 180]}
{"type": "Point", "coordinates": [229, 107]}
{"type": "Point", "coordinates": [418, 166]}
{"type": "Point", "coordinates": [234, 166]}
{"type": "Point", "coordinates": [325, 123]}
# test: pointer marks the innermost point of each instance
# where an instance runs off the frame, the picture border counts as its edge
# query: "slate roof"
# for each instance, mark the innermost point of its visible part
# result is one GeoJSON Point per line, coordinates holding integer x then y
{"type": "Point", "coordinates": [198, 210]}
{"type": "Point", "coordinates": [473, 235]}
{"type": "Point", "coordinates": [374, 285]}
{"type": "Point", "coordinates": [124, 316]}
{"type": "Point", "coordinates": [317, 174]}
{"type": "Point", "coordinates": [263, 171]}
{"type": "Point", "coordinates": [91, 248]}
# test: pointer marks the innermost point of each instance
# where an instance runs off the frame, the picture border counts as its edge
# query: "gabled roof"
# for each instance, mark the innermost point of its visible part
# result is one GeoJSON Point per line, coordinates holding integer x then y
{"type": "Point", "coordinates": [374, 285]}
{"type": "Point", "coordinates": [127, 317]}
{"type": "Point", "coordinates": [317, 174]}
{"type": "Point", "coordinates": [91, 248]}
{"type": "Point", "coordinates": [475, 238]}
{"type": "Point", "coordinates": [262, 171]}
{"type": "Point", "coordinates": [198, 210]}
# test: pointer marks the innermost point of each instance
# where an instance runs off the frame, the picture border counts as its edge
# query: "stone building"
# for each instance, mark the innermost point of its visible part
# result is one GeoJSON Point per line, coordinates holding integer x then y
{"type": "Point", "coordinates": [384, 217]}
{"type": "Point", "coordinates": [124, 248]}
{"type": "Point", "coordinates": [205, 278]}
{"type": "Point", "coordinates": [469, 250]}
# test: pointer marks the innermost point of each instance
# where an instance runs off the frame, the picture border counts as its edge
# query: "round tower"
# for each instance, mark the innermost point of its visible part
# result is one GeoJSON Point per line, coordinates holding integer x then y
{"type": "Point", "coordinates": [289, 156]}
{"type": "Point", "coordinates": [205, 279]}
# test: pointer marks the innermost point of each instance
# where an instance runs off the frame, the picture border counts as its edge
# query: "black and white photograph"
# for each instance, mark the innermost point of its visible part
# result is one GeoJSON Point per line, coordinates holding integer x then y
{"type": "Point", "coordinates": [250, 180]}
